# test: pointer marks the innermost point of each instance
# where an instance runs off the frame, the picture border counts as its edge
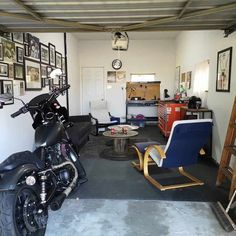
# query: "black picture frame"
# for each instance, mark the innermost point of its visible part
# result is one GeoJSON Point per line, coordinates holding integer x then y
{"type": "Point", "coordinates": [18, 71]}
{"type": "Point", "coordinates": [26, 47]}
{"type": "Point", "coordinates": [49, 70]}
{"type": "Point", "coordinates": [1, 52]}
{"type": "Point", "coordinates": [18, 37]}
{"type": "Point", "coordinates": [4, 69]}
{"type": "Point", "coordinates": [20, 54]}
{"type": "Point", "coordinates": [223, 73]}
{"type": "Point", "coordinates": [6, 87]}
{"type": "Point", "coordinates": [26, 38]}
{"type": "Point", "coordinates": [44, 54]}
{"type": "Point", "coordinates": [32, 74]}
{"type": "Point", "coordinates": [58, 60]}
{"type": "Point", "coordinates": [43, 74]}
{"type": "Point", "coordinates": [52, 54]}
{"type": "Point", "coordinates": [34, 51]}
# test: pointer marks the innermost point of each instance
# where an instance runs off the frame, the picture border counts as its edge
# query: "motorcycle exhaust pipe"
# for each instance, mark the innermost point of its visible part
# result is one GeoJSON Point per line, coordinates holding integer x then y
{"type": "Point", "coordinates": [57, 202]}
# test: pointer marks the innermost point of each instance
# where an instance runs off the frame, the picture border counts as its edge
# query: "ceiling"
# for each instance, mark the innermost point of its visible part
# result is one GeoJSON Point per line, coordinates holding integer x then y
{"type": "Point", "coordinates": [116, 15]}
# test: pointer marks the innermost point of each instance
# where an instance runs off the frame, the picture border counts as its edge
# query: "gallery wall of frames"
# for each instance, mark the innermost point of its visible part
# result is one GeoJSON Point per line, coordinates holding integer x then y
{"type": "Point", "coordinates": [26, 64]}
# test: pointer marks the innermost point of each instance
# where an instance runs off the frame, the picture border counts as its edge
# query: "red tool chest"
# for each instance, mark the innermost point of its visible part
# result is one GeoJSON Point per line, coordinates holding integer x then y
{"type": "Point", "coordinates": [168, 112]}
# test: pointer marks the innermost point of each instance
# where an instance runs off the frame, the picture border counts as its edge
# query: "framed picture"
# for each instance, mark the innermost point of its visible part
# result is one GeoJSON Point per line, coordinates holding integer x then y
{"type": "Point", "coordinates": [188, 79]}
{"type": "Point", "coordinates": [32, 75]}
{"type": "Point", "coordinates": [52, 54]}
{"type": "Point", "coordinates": [223, 74]}
{"type": "Point", "coordinates": [1, 52]}
{"type": "Point", "coordinates": [19, 88]}
{"type": "Point", "coordinates": [44, 53]}
{"type": "Point", "coordinates": [6, 89]}
{"type": "Point", "coordinates": [18, 37]}
{"type": "Point", "coordinates": [49, 70]}
{"type": "Point", "coordinates": [19, 54]}
{"type": "Point", "coordinates": [58, 60]}
{"type": "Point", "coordinates": [7, 35]}
{"type": "Point", "coordinates": [4, 69]}
{"type": "Point", "coordinates": [11, 71]}
{"type": "Point", "coordinates": [18, 71]}
{"type": "Point", "coordinates": [9, 51]}
{"type": "Point", "coordinates": [43, 74]}
{"type": "Point", "coordinates": [26, 47]}
{"type": "Point", "coordinates": [46, 82]}
{"type": "Point", "coordinates": [63, 65]}
{"type": "Point", "coordinates": [26, 38]}
{"type": "Point", "coordinates": [111, 76]}
{"type": "Point", "coordinates": [34, 47]}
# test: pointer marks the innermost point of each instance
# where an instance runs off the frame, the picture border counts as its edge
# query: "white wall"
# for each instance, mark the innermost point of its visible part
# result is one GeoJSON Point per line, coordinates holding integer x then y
{"type": "Point", "coordinates": [143, 56]}
{"type": "Point", "coordinates": [196, 46]}
{"type": "Point", "coordinates": [17, 134]}
{"type": "Point", "coordinates": [73, 74]}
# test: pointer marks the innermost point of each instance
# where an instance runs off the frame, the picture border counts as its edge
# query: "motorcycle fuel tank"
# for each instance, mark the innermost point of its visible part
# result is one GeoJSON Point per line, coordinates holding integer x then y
{"type": "Point", "coordinates": [48, 134]}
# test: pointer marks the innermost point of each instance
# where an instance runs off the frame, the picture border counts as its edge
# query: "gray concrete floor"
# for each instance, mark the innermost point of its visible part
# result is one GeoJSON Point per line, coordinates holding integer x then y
{"type": "Point", "coordinates": [97, 217]}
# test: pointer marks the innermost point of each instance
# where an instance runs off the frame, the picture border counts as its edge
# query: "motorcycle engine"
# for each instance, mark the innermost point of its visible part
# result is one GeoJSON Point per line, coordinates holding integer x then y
{"type": "Point", "coordinates": [64, 177]}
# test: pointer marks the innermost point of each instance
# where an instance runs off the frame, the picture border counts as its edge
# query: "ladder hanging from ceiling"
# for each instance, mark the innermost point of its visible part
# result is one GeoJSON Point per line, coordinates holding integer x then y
{"type": "Point", "coordinates": [229, 151]}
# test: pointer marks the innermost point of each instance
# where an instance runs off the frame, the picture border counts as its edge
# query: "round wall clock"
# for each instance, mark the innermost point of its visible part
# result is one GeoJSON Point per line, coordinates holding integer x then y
{"type": "Point", "coordinates": [116, 64]}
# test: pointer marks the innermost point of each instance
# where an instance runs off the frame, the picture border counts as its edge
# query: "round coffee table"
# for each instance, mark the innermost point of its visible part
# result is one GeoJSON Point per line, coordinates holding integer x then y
{"type": "Point", "coordinates": [120, 150]}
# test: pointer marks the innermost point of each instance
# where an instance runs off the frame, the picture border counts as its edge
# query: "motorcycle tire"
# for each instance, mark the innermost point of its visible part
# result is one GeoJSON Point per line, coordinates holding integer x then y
{"type": "Point", "coordinates": [14, 209]}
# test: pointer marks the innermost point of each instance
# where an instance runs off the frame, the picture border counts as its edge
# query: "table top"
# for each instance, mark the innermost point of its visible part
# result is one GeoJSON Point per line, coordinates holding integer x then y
{"type": "Point", "coordinates": [202, 109]}
{"type": "Point", "coordinates": [125, 126]}
{"type": "Point", "coordinates": [130, 133]}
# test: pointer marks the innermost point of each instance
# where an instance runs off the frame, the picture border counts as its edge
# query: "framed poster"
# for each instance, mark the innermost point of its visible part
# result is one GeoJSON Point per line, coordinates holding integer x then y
{"type": "Point", "coordinates": [52, 54]}
{"type": "Point", "coordinates": [58, 60]}
{"type": "Point", "coordinates": [223, 74]}
{"type": "Point", "coordinates": [7, 92]}
{"type": "Point", "coordinates": [9, 51]}
{"type": "Point", "coordinates": [4, 69]}
{"type": "Point", "coordinates": [32, 75]}
{"type": "Point", "coordinates": [18, 37]}
{"type": "Point", "coordinates": [44, 53]}
{"type": "Point", "coordinates": [19, 54]}
{"type": "Point", "coordinates": [18, 71]}
{"type": "Point", "coordinates": [1, 52]}
{"type": "Point", "coordinates": [34, 47]}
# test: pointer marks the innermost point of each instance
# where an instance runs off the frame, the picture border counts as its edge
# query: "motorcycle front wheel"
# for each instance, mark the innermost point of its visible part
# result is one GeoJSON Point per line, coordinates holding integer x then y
{"type": "Point", "coordinates": [21, 213]}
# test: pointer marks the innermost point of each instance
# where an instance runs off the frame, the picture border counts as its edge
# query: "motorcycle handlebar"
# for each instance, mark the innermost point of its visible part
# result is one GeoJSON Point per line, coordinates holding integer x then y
{"type": "Point", "coordinates": [17, 113]}
{"type": "Point", "coordinates": [26, 108]}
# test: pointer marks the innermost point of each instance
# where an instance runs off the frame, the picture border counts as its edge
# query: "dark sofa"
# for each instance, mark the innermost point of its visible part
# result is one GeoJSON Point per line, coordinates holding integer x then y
{"type": "Point", "coordinates": [79, 132]}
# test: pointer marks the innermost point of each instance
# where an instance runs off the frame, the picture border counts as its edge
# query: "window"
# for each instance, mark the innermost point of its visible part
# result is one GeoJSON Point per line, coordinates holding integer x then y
{"type": "Point", "coordinates": [143, 77]}
{"type": "Point", "coordinates": [201, 78]}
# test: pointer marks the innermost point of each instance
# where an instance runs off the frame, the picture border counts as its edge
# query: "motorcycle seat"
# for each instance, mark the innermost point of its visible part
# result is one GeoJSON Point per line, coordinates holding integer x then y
{"type": "Point", "coordinates": [19, 159]}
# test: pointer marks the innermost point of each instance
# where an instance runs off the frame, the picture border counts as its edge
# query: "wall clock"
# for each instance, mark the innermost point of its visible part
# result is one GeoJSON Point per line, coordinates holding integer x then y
{"type": "Point", "coordinates": [116, 64]}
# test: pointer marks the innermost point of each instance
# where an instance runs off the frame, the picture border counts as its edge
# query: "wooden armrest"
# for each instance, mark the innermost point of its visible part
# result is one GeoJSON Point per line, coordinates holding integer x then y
{"type": "Point", "coordinates": [158, 149]}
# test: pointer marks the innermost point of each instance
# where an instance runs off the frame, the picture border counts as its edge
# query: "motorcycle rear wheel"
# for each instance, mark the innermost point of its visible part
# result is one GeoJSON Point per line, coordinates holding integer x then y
{"type": "Point", "coordinates": [17, 213]}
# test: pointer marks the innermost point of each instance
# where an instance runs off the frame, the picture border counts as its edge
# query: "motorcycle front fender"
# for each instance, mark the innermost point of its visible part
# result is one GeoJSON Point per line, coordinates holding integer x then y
{"type": "Point", "coordinates": [9, 179]}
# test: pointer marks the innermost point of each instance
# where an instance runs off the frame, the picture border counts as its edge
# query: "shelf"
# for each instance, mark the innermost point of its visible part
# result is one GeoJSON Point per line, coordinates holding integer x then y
{"type": "Point", "coordinates": [142, 103]}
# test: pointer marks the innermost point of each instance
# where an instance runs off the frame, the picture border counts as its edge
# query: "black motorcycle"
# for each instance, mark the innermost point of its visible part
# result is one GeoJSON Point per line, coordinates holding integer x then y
{"type": "Point", "coordinates": [30, 182]}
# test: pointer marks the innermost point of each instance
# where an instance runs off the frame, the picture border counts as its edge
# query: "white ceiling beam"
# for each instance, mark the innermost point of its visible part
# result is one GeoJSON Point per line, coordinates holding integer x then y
{"type": "Point", "coordinates": [28, 9]}
{"type": "Point", "coordinates": [51, 21]}
{"type": "Point", "coordinates": [187, 4]}
{"type": "Point", "coordinates": [186, 16]}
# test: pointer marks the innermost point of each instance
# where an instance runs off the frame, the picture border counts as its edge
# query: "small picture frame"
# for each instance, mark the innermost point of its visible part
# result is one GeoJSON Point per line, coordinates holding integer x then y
{"type": "Point", "coordinates": [52, 54]}
{"type": "Point", "coordinates": [58, 60]}
{"type": "Point", "coordinates": [7, 88]}
{"type": "Point", "coordinates": [18, 37]}
{"type": "Point", "coordinates": [223, 75]}
{"type": "Point", "coordinates": [19, 88]}
{"type": "Point", "coordinates": [18, 71]}
{"type": "Point", "coordinates": [49, 70]}
{"type": "Point", "coordinates": [9, 50]}
{"type": "Point", "coordinates": [63, 65]}
{"type": "Point", "coordinates": [11, 71]}
{"type": "Point", "coordinates": [43, 71]}
{"type": "Point", "coordinates": [34, 51]}
{"type": "Point", "coordinates": [19, 54]}
{"type": "Point", "coordinates": [1, 52]}
{"type": "Point", "coordinates": [44, 53]}
{"type": "Point", "coordinates": [26, 38]}
{"type": "Point", "coordinates": [4, 69]}
{"type": "Point", "coordinates": [32, 75]}
{"type": "Point", "coordinates": [26, 46]}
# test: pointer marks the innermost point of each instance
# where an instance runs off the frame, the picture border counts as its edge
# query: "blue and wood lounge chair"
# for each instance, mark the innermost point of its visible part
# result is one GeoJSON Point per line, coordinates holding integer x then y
{"type": "Point", "coordinates": [186, 139]}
